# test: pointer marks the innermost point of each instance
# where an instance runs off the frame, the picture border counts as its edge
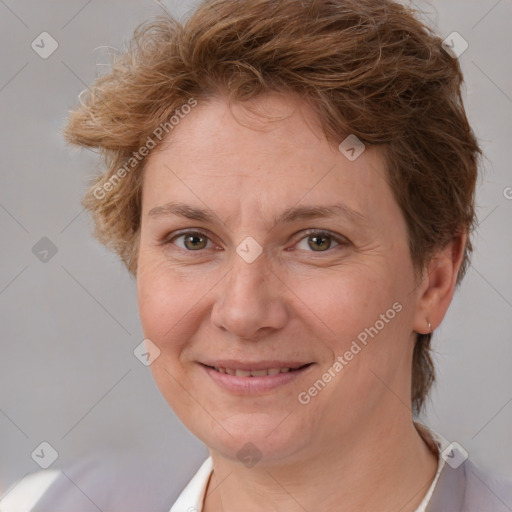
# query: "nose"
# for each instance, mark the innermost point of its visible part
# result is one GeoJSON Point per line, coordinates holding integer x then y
{"type": "Point", "coordinates": [252, 300]}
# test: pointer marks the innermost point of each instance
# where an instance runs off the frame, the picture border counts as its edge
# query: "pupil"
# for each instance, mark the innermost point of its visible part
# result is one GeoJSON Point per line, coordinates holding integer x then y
{"type": "Point", "coordinates": [317, 238]}
{"type": "Point", "coordinates": [190, 240]}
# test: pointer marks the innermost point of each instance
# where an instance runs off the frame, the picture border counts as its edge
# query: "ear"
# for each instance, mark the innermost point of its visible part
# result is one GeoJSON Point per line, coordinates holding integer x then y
{"type": "Point", "coordinates": [438, 285]}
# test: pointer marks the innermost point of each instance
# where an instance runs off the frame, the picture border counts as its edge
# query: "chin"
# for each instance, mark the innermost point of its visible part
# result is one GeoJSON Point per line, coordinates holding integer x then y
{"type": "Point", "coordinates": [251, 437]}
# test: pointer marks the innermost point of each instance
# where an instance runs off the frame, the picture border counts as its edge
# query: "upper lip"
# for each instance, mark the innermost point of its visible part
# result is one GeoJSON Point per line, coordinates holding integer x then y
{"type": "Point", "coordinates": [255, 365]}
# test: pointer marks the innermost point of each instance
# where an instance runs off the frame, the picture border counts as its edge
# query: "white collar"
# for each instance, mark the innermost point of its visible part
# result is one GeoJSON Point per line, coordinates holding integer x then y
{"type": "Point", "coordinates": [437, 443]}
{"type": "Point", "coordinates": [192, 497]}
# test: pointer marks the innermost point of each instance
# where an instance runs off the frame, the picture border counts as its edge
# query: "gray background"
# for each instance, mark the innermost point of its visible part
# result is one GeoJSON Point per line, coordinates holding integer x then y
{"type": "Point", "coordinates": [69, 326]}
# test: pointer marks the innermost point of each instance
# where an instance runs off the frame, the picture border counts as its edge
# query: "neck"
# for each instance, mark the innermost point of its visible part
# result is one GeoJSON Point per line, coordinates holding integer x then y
{"type": "Point", "coordinates": [387, 469]}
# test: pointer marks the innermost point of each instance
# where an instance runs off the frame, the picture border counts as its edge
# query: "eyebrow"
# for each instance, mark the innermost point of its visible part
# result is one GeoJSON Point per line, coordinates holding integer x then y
{"type": "Point", "coordinates": [290, 215]}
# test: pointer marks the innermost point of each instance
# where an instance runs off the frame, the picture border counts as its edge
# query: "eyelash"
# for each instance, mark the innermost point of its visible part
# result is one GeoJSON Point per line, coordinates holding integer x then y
{"type": "Point", "coordinates": [341, 241]}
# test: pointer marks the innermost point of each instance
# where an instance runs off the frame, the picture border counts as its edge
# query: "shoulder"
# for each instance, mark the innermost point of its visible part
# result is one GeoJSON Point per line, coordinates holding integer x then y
{"type": "Point", "coordinates": [76, 487]}
{"type": "Point", "coordinates": [469, 488]}
{"type": "Point", "coordinates": [26, 492]}
{"type": "Point", "coordinates": [98, 482]}
{"type": "Point", "coordinates": [486, 490]}
{"type": "Point", "coordinates": [463, 486]}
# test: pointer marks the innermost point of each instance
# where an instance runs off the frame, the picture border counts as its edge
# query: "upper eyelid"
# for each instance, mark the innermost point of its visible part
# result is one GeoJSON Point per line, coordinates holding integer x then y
{"type": "Point", "coordinates": [171, 236]}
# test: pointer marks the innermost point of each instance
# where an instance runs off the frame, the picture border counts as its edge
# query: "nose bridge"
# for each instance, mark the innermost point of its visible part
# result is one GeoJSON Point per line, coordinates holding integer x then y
{"type": "Point", "coordinates": [249, 272]}
{"type": "Point", "coordinates": [250, 299]}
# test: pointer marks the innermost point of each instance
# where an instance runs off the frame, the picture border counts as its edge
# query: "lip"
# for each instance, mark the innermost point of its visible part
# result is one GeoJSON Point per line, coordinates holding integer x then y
{"type": "Point", "coordinates": [256, 365]}
{"type": "Point", "coordinates": [254, 385]}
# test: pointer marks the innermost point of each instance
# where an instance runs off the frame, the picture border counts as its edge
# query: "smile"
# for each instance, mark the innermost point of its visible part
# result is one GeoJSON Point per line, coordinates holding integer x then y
{"type": "Point", "coordinates": [256, 373]}
{"type": "Point", "coordinates": [247, 380]}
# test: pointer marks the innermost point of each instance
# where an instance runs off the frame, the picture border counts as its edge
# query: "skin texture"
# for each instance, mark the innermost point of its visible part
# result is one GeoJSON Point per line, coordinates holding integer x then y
{"type": "Point", "coordinates": [292, 303]}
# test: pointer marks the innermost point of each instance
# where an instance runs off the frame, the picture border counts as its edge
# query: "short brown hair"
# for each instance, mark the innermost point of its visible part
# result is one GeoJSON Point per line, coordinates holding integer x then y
{"type": "Point", "coordinates": [368, 68]}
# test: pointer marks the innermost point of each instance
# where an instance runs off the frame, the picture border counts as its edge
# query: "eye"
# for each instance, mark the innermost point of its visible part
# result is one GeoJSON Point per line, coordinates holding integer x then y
{"type": "Point", "coordinates": [192, 241]}
{"type": "Point", "coordinates": [315, 240]}
{"type": "Point", "coordinates": [320, 241]}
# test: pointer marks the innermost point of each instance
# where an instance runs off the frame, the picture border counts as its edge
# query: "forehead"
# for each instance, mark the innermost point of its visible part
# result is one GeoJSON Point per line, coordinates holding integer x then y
{"type": "Point", "coordinates": [264, 157]}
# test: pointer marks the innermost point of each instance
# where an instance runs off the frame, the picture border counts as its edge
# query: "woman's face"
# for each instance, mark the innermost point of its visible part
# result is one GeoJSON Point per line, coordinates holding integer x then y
{"type": "Point", "coordinates": [264, 280]}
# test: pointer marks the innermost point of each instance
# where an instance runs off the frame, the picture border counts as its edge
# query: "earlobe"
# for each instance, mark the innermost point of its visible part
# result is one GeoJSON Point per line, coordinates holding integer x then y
{"type": "Point", "coordinates": [438, 286]}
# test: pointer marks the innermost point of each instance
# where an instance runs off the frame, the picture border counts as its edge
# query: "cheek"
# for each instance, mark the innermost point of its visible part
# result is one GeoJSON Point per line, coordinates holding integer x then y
{"type": "Point", "coordinates": [165, 296]}
{"type": "Point", "coordinates": [163, 314]}
{"type": "Point", "coordinates": [346, 308]}
{"type": "Point", "coordinates": [163, 303]}
{"type": "Point", "coordinates": [345, 301]}
{"type": "Point", "coordinates": [361, 316]}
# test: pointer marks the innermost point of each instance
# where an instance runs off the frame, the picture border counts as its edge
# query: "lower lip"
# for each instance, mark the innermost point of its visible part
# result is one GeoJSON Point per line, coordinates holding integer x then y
{"type": "Point", "coordinates": [253, 385]}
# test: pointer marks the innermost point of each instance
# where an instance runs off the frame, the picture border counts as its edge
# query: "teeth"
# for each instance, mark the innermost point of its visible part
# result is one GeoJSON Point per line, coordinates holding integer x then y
{"type": "Point", "coordinates": [258, 373]}
{"type": "Point", "coordinates": [253, 373]}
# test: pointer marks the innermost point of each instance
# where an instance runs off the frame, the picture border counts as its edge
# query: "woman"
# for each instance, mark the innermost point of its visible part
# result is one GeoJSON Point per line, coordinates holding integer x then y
{"type": "Point", "coordinates": [292, 185]}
